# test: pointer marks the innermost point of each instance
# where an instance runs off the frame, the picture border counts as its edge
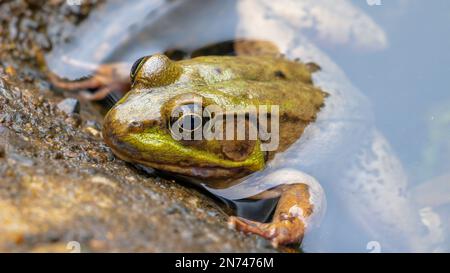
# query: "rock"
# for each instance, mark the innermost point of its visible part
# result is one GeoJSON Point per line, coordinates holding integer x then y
{"type": "Point", "coordinates": [69, 106]}
{"type": "Point", "coordinates": [3, 140]}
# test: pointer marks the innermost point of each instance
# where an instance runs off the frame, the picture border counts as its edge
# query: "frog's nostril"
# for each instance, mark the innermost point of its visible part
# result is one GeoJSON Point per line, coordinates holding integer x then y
{"type": "Point", "coordinates": [135, 126]}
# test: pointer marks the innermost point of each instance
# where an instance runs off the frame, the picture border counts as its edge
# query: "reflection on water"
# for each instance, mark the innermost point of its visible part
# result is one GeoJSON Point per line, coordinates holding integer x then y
{"type": "Point", "coordinates": [346, 150]}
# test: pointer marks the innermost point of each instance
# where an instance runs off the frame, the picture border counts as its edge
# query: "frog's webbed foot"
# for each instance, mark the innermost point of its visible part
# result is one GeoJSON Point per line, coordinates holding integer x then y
{"type": "Point", "coordinates": [101, 93]}
{"type": "Point", "coordinates": [76, 85]}
{"type": "Point", "coordinates": [290, 218]}
{"type": "Point", "coordinates": [107, 78]}
{"type": "Point", "coordinates": [288, 231]}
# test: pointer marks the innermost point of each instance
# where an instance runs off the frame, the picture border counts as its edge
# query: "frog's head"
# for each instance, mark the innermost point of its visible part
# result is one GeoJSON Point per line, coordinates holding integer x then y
{"type": "Point", "coordinates": [140, 127]}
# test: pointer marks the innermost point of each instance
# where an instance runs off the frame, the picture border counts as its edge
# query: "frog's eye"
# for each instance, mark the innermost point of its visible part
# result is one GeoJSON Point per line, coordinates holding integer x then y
{"type": "Point", "coordinates": [188, 119]}
{"type": "Point", "coordinates": [136, 66]}
{"type": "Point", "coordinates": [188, 122]}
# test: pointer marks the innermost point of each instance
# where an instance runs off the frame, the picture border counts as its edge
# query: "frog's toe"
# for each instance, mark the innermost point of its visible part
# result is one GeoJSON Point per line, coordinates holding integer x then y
{"type": "Point", "coordinates": [98, 95]}
{"type": "Point", "coordinates": [288, 231]}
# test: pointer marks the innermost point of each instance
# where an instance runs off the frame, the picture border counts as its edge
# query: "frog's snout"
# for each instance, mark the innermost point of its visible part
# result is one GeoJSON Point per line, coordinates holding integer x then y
{"type": "Point", "coordinates": [116, 130]}
{"type": "Point", "coordinates": [113, 130]}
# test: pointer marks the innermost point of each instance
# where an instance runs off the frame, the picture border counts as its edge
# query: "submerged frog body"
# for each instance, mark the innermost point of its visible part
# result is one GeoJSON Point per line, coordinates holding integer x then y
{"type": "Point", "coordinates": [138, 128]}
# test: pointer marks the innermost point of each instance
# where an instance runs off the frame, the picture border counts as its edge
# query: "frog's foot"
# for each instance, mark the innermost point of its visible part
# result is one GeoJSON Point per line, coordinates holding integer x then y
{"type": "Point", "coordinates": [289, 221]}
{"type": "Point", "coordinates": [101, 93]}
{"type": "Point", "coordinates": [107, 78]}
{"type": "Point", "coordinates": [288, 231]}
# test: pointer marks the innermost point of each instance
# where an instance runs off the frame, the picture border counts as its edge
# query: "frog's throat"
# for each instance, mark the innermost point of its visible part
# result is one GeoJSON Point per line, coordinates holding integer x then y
{"type": "Point", "coordinates": [210, 172]}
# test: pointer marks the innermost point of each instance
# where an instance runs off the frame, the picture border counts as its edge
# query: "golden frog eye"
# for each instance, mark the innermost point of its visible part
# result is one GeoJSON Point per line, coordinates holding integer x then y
{"type": "Point", "coordinates": [188, 118]}
{"type": "Point", "coordinates": [136, 66]}
{"type": "Point", "coordinates": [189, 122]}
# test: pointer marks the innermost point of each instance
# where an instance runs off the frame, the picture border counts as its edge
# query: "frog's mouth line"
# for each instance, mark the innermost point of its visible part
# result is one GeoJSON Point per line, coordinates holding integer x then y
{"type": "Point", "coordinates": [194, 171]}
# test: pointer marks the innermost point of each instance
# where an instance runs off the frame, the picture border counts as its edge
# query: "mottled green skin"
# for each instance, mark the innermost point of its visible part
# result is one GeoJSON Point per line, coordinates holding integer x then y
{"type": "Point", "coordinates": [137, 131]}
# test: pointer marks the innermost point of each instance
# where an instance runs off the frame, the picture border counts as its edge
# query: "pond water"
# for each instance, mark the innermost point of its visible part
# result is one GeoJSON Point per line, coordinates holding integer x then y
{"type": "Point", "coordinates": [394, 53]}
{"type": "Point", "coordinates": [408, 85]}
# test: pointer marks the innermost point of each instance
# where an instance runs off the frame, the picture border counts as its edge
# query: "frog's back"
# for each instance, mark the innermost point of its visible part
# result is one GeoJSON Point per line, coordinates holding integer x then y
{"type": "Point", "coordinates": [258, 68]}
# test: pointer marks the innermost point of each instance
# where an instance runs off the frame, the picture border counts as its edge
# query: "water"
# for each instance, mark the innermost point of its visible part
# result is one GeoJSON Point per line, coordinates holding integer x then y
{"type": "Point", "coordinates": [395, 54]}
{"type": "Point", "coordinates": [407, 82]}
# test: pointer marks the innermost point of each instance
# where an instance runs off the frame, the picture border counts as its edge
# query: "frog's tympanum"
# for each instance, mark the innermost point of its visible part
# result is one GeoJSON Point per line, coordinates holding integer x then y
{"type": "Point", "coordinates": [138, 127]}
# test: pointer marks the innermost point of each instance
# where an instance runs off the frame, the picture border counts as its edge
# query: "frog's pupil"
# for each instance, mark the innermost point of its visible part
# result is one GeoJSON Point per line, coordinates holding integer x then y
{"type": "Point", "coordinates": [188, 118]}
{"type": "Point", "coordinates": [135, 67]}
{"type": "Point", "coordinates": [191, 121]}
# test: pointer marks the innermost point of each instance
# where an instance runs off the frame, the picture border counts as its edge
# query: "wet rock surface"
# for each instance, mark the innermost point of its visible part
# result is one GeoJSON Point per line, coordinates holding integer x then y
{"type": "Point", "coordinates": [60, 183]}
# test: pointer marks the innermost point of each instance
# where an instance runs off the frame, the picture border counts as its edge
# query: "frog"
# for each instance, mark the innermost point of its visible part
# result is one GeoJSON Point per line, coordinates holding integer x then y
{"type": "Point", "coordinates": [138, 128]}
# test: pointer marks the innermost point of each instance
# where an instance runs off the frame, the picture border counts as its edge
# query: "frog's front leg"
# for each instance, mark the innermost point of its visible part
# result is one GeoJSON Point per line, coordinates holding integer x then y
{"type": "Point", "coordinates": [290, 218]}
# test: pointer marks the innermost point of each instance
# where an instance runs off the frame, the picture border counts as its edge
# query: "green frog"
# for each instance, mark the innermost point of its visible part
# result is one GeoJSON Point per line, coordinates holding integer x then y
{"type": "Point", "coordinates": [139, 127]}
